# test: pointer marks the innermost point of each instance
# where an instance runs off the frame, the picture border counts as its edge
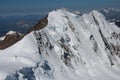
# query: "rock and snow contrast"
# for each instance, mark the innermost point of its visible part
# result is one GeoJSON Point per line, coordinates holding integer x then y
{"type": "Point", "coordinates": [69, 47]}
{"type": "Point", "coordinates": [9, 39]}
{"type": "Point", "coordinates": [9, 33]}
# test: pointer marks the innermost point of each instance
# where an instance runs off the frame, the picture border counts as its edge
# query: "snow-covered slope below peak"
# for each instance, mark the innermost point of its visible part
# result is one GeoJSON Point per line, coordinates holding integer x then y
{"type": "Point", "coordinates": [20, 55]}
{"type": "Point", "coordinates": [70, 47]}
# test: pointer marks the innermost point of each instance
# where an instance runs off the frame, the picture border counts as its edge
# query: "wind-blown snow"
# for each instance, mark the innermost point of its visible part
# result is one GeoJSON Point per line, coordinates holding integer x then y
{"type": "Point", "coordinates": [70, 47]}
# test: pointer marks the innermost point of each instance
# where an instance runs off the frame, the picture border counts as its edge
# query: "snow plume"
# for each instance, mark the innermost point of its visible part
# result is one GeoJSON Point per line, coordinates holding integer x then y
{"type": "Point", "coordinates": [70, 47]}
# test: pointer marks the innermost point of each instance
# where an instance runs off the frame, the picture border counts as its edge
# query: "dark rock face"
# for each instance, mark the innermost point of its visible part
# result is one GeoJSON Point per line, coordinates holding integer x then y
{"type": "Point", "coordinates": [10, 39]}
{"type": "Point", "coordinates": [41, 24]}
{"type": "Point", "coordinates": [117, 23]}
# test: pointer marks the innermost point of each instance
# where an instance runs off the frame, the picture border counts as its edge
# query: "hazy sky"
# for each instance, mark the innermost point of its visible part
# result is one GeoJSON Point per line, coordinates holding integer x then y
{"type": "Point", "coordinates": [41, 6]}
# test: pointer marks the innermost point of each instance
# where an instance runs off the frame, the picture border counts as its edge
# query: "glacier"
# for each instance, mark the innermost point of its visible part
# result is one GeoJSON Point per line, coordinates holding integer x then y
{"type": "Point", "coordinates": [70, 47]}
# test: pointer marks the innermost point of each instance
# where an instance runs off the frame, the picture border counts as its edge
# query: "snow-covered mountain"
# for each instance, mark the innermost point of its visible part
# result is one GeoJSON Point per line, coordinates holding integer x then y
{"type": "Point", "coordinates": [70, 47]}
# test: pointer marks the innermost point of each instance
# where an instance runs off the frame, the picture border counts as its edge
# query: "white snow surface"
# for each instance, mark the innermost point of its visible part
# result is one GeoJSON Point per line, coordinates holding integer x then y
{"type": "Point", "coordinates": [70, 47]}
{"type": "Point", "coordinates": [2, 38]}
{"type": "Point", "coordinates": [11, 32]}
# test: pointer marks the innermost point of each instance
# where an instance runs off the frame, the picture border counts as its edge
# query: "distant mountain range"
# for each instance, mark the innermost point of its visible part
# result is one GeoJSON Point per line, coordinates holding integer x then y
{"type": "Point", "coordinates": [18, 23]}
{"type": "Point", "coordinates": [112, 15]}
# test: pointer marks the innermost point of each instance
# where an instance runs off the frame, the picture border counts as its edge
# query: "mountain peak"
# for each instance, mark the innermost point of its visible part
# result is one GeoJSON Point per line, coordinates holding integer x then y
{"type": "Point", "coordinates": [86, 47]}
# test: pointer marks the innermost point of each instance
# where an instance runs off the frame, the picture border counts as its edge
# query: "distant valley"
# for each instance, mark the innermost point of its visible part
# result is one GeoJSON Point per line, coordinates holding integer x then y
{"type": "Point", "coordinates": [18, 23]}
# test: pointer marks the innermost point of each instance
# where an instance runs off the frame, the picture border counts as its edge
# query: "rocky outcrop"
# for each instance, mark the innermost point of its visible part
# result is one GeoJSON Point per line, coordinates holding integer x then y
{"type": "Point", "coordinates": [41, 24]}
{"type": "Point", "coordinates": [10, 39]}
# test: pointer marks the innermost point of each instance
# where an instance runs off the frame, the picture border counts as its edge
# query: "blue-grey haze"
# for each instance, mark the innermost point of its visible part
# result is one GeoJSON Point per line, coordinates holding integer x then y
{"type": "Point", "coordinates": [42, 6]}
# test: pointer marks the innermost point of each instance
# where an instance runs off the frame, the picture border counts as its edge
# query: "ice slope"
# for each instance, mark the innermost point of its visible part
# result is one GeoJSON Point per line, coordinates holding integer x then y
{"type": "Point", "coordinates": [70, 47]}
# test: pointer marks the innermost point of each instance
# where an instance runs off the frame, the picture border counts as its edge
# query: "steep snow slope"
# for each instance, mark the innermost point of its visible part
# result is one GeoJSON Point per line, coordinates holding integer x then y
{"type": "Point", "coordinates": [70, 47]}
